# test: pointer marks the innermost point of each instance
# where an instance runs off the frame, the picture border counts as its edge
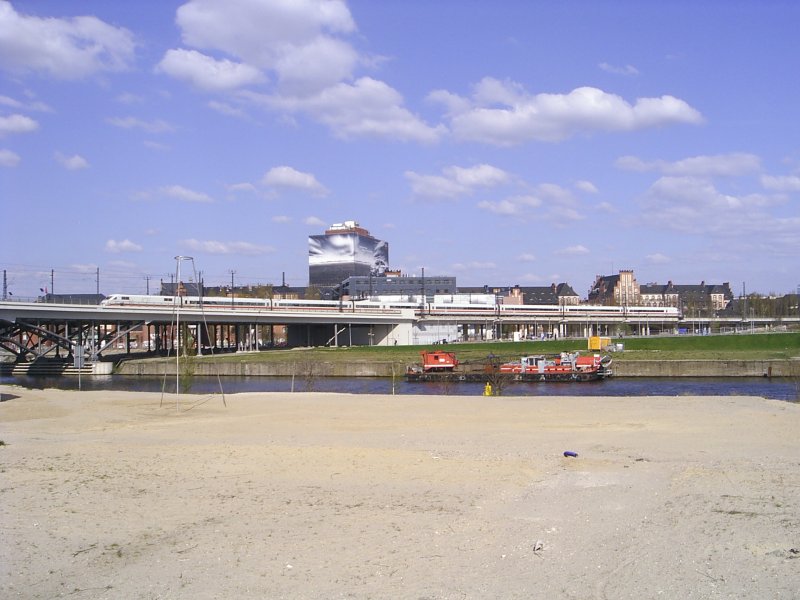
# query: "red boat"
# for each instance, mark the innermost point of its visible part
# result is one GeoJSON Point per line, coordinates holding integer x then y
{"type": "Point", "coordinates": [438, 360]}
{"type": "Point", "coordinates": [567, 366]}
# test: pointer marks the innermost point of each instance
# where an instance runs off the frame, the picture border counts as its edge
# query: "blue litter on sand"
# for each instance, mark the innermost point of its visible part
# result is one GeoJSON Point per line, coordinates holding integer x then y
{"type": "Point", "coordinates": [571, 453]}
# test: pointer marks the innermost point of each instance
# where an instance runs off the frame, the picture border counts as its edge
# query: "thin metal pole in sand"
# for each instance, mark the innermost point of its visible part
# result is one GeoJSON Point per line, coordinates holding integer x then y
{"type": "Point", "coordinates": [177, 299]}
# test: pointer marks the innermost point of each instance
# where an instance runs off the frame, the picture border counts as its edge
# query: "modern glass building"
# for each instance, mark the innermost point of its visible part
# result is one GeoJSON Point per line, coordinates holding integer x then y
{"type": "Point", "coordinates": [344, 250]}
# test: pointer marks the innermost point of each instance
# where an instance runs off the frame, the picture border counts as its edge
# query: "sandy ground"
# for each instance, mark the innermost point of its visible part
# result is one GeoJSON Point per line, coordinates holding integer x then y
{"type": "Point", "coordinates": [112, 495]}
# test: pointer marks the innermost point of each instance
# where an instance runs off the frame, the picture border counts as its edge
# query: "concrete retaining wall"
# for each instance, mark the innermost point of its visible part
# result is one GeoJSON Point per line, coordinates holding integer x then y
{"type": "Point", "coordinates": [267, 369]}
{"type": "Point", "coordinates": [706, 368]}
{"type": "Point", "coordinates": [637, 368]}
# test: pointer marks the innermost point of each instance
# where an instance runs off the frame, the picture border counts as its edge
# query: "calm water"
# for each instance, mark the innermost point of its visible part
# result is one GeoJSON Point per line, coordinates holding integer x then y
{"type": "Point", "coordinates": [778, 388]}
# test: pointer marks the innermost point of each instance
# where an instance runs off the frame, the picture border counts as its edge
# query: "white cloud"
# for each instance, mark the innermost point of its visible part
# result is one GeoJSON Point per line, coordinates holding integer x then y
{"type": "Point", "coordinates": [500, 207]}
{"type": "Point", "coordinates": [64, 48]}
{"type": "Point", "coordinates": [242, 187]}
{"type": "Point", "coordinates": [503, 114]}
{"type": "Point", "coordinates": [287, 177]}
{"type": "Point", "coordinates": [72, 163]}
{"type": "Point", "coordinates": [302, 47]}
{"type": "Point", "coordinates": [617, 70]}
{"type": "Point", "coordinates": [456, 181]}
{"type": "Point", "coordinates": [207, 73]}
{"type": "Point", "coordinates": [18, 105]}
{"type": "Point", "coordinates": [217, 247]}
{"type": "Point", "coordinates": [694, 205]}
{"type": "Point", "coordinates": [526, 257]}
{"type": "Point", "coordinates": [365, 108]}
{"type": "Point", "coordinates": [181, 193]}
{"type": "Point", "coordinates": [478, 176]}
{"type": "Point", "coordinates": [115, 247]}
{"type": "Point", "coordinates": [514, 205]}
{"type": "Point", "coordinates": [784, 183]}
{"type": "Point", "coordinates": [281, 219]}
{"type": "Point", "coordinates": [314, 221]}
{"type": "Point", "coordinates": [298, 40]}
{"type": "Point", "coordinates": [8, 158]}
{"type": "Point", "coordinates": [156, 126]}
{"type": "Point", "coordinates": [578, 250]}
{"type": "Point", "coordinates": [547, 202]}
{"type": "Point", "coordinates": [17, 124]}
{"type": "Point", "coordinates": [722, 165]}
{"type": "Point", "coordinates": [586, 186]}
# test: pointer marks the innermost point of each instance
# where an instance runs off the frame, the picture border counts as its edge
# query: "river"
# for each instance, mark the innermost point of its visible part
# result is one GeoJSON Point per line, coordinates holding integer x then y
{"type": "Point", "coordinates": [775, 388]}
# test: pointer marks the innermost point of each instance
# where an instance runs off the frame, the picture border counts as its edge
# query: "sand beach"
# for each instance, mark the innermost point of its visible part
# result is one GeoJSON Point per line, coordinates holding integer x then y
{"type": "Point", "coordinates": [314, 495]}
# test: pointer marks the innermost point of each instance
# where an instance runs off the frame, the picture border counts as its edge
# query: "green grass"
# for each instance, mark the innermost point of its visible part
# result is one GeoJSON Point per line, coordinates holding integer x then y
{"type": "Point", "coordinates": [720, 347]}
{"type": "Point", "coordinates": [716, 347]}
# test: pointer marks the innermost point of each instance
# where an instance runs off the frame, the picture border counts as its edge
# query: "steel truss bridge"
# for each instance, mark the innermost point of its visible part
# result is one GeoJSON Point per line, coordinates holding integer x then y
{"type": "Point", "coordinates": [34, 330]}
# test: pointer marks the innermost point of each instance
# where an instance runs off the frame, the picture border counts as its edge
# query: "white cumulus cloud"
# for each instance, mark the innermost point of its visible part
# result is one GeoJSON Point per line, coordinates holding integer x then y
{"type": "Point", "coordinates": [179, 192]}
{"type": "Point", "coordinates": [783, 183]}
{"type": "Point", "coordinates": [578, 250]}
{"type": "Point", "coordinates": [722, 165]}
{"type": "Point", "coordinates": [504, 114]}
{"type": "Point", "coordinates": [314, 221]}
{"type": "Point", "coordinates": [694, 205]}
{"type": "Point", "coordinates": [586, 186]}
{"type": "Point", "coordinates": [17, 124]}
{"type": "Point", "coordinates": [207, 73]}
{"type": "Point", "coordinates": [303, 49]}
{"type": "Point", "coordinates": [287, 177]}
{"type": "Point", "coordinates": [242, 187]}
{"type": "Point", "coordinates": [64, 48]}
{"type": "Point", "coordinates": [300, 41]}
{"type": "Point", "coordinates": [218, 247]}
{"type": "Point", "coordinates": [618, 70]}
{"type": "Point", "coordinates": [72, 163]}
{"type": "Point", "coordinates": [547, 202]}
{"type": "Point", "coordinates": [116, 247]}
{"type": "Point", "coordinates": [456, 181]}
{"type": "Point", "coordinates": [365, 108]}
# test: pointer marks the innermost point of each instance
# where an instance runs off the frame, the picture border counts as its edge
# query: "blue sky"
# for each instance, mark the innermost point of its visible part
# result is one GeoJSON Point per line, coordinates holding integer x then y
{"type": "Point", "coordinates": [501, 142]}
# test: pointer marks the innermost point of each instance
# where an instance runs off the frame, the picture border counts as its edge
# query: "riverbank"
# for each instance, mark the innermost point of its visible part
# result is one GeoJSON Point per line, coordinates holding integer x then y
{"type": "Point", "coordinates": [112, 494]}
{"type": "Point", "coordinates": [242, 365]}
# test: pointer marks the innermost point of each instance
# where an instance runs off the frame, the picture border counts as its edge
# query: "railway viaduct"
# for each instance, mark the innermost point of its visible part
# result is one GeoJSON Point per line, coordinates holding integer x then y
{"type": "Point", "coordinates": [32, 330]}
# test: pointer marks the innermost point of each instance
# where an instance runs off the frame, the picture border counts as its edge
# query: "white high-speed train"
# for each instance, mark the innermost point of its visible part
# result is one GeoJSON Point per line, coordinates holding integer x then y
{"type": "Point", "coordinates": [438, 307]}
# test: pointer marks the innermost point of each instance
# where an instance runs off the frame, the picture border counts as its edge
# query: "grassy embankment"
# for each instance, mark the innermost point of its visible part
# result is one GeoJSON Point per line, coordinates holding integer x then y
{"type": "Point", "coordinates": [717, 347]}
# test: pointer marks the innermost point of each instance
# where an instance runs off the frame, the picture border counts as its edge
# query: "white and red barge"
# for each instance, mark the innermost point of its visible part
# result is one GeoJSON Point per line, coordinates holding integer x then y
{"type": "Point", "coordinates": [565, 367]}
